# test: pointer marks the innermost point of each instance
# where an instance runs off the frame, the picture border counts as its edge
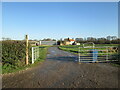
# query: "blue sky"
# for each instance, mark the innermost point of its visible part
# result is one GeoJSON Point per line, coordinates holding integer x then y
{"type": "Point", "coordinates": [59, 20]}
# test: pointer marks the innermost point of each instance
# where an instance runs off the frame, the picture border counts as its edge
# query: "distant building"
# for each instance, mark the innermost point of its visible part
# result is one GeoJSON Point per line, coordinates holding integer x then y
{"type": "Point", "coordinates": [68, 42]}
{"type": "Point", "coordinates": [78, 39]}
{"type": "Point", "coordinates": [33, 43]}
{"type": "Point", "coordinates": [47, 42]}
{"type": "Point", "coordinates": [77, 43]}
{"type": "Point", "coordinates": [71, 41]}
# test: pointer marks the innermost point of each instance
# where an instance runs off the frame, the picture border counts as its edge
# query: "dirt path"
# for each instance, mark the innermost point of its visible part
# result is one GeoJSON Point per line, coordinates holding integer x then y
{"type": "Point", "coordinates": [61, 71]}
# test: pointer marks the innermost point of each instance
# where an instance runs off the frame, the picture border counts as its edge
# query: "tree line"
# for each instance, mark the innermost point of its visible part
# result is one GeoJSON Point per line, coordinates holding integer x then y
{"type": "Point", "coordinates": [107, 40]}
{"type": "Point", "coordinates": [103, 40]}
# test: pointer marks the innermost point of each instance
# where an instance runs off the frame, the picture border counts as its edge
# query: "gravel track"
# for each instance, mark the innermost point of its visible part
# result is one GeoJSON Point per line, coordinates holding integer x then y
{"type": "Point", "coordinates": [61, 71]}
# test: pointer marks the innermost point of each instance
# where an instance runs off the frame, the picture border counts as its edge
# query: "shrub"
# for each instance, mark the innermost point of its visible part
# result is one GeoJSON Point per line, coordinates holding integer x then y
{"type": "Point", "coordinates": [13, 53]}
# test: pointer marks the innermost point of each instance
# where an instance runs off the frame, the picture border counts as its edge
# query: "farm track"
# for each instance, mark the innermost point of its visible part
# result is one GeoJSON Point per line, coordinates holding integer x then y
{"type": "Point", "coordinates": [61, 71]}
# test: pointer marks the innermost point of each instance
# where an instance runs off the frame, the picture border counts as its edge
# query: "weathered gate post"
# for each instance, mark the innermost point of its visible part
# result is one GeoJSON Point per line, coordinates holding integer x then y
{"type": "Point", "coordinates": [26, 49]}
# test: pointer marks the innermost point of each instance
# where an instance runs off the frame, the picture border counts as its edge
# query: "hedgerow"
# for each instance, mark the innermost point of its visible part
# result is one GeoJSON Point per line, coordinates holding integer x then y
{"type": "Point", "coordinates": [13, 53]}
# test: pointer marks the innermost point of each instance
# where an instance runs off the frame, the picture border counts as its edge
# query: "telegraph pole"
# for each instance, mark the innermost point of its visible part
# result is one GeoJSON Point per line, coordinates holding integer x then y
{"type": "Point", "coordinates": [26, 36]}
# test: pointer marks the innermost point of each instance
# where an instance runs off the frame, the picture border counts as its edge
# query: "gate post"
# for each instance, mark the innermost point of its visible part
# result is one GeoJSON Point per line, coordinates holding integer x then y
{"type": "Point", "coordinates": [106, 53]}
{"type": "Point", "coordinates": [95, 55]}
{"type": "Point", "coordinates": [38, 52]}
{"type": "Point", "coordinates": [26, 49]}
{"type": "Point", "coordinates": [32, 55]}
{"type": "Point", "coordinates": [79, 54]}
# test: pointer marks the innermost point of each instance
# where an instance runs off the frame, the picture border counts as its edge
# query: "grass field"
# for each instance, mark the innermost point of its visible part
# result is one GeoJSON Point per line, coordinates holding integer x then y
{"type": "Point", "coordinates": [102, 50]}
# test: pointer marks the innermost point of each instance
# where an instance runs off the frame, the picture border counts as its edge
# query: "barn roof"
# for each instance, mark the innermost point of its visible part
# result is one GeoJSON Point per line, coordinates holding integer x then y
{"type": "Point", "coordinates": [71, 40]}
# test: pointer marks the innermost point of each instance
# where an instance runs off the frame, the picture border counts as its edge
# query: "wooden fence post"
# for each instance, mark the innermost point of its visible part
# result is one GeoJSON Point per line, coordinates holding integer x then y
{"type": "Point", "coordinates": [26, 49]}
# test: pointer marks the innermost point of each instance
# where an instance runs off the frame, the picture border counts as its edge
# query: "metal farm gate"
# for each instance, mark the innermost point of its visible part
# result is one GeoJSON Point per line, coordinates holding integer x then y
{"type": "Point", "coordinates": [35, 53]}
{"type": "Point", "coordinates": [95, 54]}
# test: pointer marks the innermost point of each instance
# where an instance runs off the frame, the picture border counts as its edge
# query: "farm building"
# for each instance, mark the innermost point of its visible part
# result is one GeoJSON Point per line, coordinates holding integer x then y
{"type": "Point", "coordinates": [47, 42]}
{"type": "Point", "coordinates": [69, 42]}
{"type": "Point", "coordinates": [33, 43]}
{"type": "Point", "coordinates": [66, 42]}
{"type": "Point", "coordinates": [76, 43]}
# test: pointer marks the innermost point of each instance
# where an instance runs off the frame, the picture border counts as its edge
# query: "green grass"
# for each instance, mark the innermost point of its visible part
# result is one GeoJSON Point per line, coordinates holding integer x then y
{"type": "Point", "coordinates": [74, 48]}
{"type": "Point", "coordinates": [115, 64]}
{"type": "Point", "coordinates": [97, 45]}
{"type": "Point", "coordinates": [7, 68]}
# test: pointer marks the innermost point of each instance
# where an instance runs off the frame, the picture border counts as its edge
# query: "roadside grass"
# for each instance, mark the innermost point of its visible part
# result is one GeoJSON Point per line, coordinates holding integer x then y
{"type": "Point", "coordinates": [12, 69]}
{"type": "Point", "coordinates": [116, 57]}
{"type": "Point", "coordinates": [115, 64]}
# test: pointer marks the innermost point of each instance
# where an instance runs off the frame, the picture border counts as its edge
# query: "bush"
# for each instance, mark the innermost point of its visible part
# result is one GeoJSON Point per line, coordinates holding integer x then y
{"type": "Point", "coordinates": [13, 53]}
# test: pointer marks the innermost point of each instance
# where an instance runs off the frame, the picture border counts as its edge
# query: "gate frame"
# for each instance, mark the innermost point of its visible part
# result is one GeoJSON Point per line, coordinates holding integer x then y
{"type": "Point", "coordinates": [35, 54]}
{"type": "Point", "coordinates": [106, 58]}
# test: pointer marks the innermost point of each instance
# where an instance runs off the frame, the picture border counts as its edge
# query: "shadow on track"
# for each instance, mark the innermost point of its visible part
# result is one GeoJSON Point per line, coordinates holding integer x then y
{"type": "Point", "coordinates": [65, 58]}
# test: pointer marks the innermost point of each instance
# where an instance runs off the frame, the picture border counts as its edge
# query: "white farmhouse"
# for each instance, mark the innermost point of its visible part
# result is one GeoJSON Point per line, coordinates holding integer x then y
{"type": "Point", "coordinates": [71, 41]}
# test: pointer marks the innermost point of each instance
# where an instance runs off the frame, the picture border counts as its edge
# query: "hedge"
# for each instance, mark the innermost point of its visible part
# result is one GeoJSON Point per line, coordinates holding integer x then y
{"type": "Point", "coordinates": [13, 53]}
